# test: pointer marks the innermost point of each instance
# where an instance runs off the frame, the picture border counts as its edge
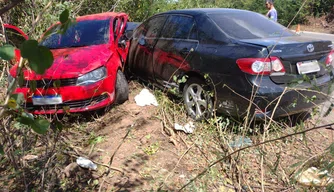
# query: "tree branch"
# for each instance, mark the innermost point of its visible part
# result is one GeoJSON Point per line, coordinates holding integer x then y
{"type": "Point", "coordinates": [11, 5]}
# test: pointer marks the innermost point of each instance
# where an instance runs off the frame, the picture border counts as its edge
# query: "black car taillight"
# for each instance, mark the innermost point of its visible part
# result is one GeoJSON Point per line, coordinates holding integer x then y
{"type": "Point", "coordinates": [261, 66]}
{"type": "Point", "coordinates": [330, 58]}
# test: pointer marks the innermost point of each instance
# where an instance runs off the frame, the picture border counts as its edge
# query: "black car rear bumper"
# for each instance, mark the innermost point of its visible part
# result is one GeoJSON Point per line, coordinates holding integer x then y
{"type": "Point", "coordinates": [275, 101]}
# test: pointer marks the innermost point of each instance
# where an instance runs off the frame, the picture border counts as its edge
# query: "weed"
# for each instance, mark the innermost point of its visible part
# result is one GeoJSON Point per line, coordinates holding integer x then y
{"type": "Point", "coordinates": [152, 149]}
{"type": "Point", "coordinates": [93, 139]}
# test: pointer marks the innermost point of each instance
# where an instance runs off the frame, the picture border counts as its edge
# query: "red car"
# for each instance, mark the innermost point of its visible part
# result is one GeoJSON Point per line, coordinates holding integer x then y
{"type": "Point", "coordinates": [87, 70]}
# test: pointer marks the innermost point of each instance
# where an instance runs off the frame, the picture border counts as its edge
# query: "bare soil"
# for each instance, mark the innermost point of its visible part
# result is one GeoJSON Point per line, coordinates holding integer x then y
{"type": "Point", "coordinates": [153, 160]}
{"type": "Point", "coordinates": [148, 157]}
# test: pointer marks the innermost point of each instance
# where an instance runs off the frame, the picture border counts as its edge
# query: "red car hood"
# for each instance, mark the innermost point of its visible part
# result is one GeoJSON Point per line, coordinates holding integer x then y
{"type": "Point", "coordinates": [72, 62]}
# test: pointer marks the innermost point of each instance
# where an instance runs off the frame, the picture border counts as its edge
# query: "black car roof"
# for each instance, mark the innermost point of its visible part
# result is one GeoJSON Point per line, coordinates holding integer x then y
{"type": "Point", "coordinates": [204, 11]}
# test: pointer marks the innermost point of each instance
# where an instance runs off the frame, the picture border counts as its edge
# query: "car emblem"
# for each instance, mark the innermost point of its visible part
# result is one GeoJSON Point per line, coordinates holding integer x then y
{"type": "Point", "coordinates": [310, 48]}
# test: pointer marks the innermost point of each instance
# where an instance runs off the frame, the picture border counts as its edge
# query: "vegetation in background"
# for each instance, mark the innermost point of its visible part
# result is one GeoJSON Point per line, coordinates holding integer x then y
{"type": "Point", "coordinates": [139, 10]}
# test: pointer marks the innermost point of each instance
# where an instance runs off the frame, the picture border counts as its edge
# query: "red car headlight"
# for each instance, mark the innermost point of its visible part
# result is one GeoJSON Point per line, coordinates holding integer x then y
{"type": "Point", "coordinates": [93, 76]}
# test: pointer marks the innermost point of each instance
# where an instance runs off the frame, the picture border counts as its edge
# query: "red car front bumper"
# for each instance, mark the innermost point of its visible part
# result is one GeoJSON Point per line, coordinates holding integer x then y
{"type": "Point", "coordinates": [74, 98]}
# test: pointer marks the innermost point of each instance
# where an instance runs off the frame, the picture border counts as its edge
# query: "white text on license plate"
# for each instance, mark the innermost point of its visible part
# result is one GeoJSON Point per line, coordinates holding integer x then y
{"type": "Point", "coordinates": [47, 100]}
{"type": "Point", "coordinates": [308, 67]}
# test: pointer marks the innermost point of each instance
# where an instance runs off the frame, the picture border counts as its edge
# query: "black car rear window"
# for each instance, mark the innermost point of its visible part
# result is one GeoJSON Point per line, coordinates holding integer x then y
{"type": "Point", "coordinates": [82, 33]}
{"type": "Point", "coordinates": [249, 25]}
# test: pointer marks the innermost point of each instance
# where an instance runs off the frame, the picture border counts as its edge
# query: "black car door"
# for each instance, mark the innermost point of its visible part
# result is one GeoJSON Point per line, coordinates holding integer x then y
{"type": "Point", "coordinates": [174, 49]}
{"type": "Point", "coordinates": [144, 41]}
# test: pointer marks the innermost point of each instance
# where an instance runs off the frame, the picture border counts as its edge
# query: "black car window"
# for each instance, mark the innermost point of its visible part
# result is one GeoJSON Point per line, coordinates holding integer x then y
{"type": "Point", "coordinates": [178, 27]}
{"type": "Point", "coordinates": [83, 33]}
{"type": "Point", "coordinates": [193, 32]}
{"type": "Point", "coordinates": [154, 26]}
{"type": "Point", "coordinates": [139, 31]}
{"type": "Point", "coordinates": [248, 25]}
{"type": "Point", "coordinates": [130, 29]}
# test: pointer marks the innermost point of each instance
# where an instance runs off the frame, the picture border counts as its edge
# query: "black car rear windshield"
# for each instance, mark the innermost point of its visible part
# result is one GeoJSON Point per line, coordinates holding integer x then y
{"type": "Point", "coordinates": [82, 33]}
{"type": "Point", "coordinates": [248, 25]}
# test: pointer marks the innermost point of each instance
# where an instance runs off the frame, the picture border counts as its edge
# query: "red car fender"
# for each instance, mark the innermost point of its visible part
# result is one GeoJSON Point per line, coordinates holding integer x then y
{"type": "Point", "coordinates": [8, 26]}
{"type": "Point", "coordinates": [17, 51]}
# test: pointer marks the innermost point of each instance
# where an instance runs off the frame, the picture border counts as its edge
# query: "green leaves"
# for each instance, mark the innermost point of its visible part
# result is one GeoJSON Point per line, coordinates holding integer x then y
{"type": "Point", "coordinates": [33, 85]}
{"type": "Point", "coordinates": [2, 152]}
{"type": "Point", "coordinates": [59, 125]}
{"type": "Point", "coordinates": [19, 98]}
{"type": "Point", "coordinates": [39, 125]}
{"type": "Point", "coordinates": [40, 58]}
{"type": "Point", "coordinates": [21, 79]}
{"type": "Point", "coordinates": [65, 21]}
{"type": "Point", "coordinates": [15, 100]}
{"type": "Point", "coordinates": [63, 18]}
{"type": "Point", "coordinates": [28, 48]}
{"type": "Point", "coordinates": [7, 52]}
{"type": "Point", "coordinates": [56, 83]}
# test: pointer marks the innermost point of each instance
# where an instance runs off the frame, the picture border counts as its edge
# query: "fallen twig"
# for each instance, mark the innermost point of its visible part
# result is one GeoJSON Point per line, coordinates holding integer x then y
{"type": "Point", "coordinates": [177, 164]}
{"type": "Point", "coordinates": [106, 173]}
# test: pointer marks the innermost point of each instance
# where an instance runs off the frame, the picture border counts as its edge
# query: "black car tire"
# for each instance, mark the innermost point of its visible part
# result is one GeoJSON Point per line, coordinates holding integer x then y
{"type": "Point", "coordinates": [122, 88]}
{"type": "Point", "coordinates": [197, 99]}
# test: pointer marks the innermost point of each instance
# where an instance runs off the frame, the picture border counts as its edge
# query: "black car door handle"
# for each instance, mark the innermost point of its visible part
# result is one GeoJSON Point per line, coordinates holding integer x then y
{"type": "Point", "coordinates": [184, 51]}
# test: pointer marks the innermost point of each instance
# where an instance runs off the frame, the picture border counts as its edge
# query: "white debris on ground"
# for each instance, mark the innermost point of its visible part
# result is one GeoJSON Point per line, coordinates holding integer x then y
{"type": "Point", "coordinates": [241, 142]}
{"type": "Point", "coordinates": [314, 177]}
{"type": "Point", "coordinates": [86, 163]}
{"type": "Point", "coordinates": [145, 98]}
{"type": "Point", "coordinates": [30, 157]}
{"type": "Point", "coordinates": [187, 128]}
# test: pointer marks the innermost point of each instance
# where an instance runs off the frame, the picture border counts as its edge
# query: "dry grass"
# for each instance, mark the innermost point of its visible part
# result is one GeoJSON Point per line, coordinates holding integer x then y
{"type": "Point", "coordinates": [154, 156]}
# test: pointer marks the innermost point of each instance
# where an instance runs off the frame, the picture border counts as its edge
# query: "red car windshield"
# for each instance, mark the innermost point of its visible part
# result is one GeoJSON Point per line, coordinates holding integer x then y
{"type": "Point", "coordinates": [81, 34]}
{"type": "Point", "coordinates": [249, 25]}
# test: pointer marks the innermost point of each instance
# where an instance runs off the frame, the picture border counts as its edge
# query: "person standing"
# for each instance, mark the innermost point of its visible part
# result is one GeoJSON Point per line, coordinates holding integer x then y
{"type": "Point", "coordinates": [272, 13]}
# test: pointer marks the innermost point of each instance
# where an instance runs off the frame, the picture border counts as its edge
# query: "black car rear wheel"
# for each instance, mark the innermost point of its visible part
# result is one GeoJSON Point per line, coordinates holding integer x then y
{"type": "Point", "coordinates": [197, 99]}
{"type": "Point", "coordinates": [122, 88]}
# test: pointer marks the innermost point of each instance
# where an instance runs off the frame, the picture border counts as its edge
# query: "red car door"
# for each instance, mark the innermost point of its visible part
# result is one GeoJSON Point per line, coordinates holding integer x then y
{"type": "Point", "coordinates": [119, 24]}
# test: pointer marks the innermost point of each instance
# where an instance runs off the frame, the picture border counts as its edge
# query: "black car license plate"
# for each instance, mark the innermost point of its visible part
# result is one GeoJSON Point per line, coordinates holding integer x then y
{"type": "Point", "coordinates": [308, 67]}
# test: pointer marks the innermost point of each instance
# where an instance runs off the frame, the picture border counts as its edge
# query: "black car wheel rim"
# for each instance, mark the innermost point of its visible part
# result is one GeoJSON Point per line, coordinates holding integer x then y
{"type": "Point", "coordinates": [196, 100]}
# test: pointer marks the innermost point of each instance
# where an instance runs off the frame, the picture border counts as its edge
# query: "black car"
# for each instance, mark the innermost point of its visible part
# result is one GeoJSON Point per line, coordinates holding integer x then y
{"type": "Point", "coordinates": [240, 59]}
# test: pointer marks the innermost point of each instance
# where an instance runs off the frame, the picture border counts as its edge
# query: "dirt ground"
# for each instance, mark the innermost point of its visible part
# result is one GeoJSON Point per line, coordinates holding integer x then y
{"type": "Point", "coordinates": [152, 160]}
{"type": "Point", "coordinates": [148, 157]}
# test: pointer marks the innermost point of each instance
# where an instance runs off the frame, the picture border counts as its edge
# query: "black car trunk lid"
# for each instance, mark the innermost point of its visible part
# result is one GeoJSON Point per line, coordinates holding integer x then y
{"type": "Point", "coordinates": [300, 56]}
